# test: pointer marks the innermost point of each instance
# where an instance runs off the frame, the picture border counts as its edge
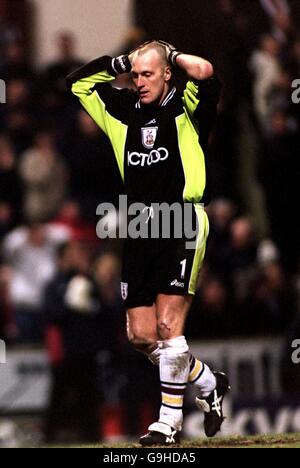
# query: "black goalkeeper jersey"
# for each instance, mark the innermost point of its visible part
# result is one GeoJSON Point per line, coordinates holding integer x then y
{"type": "Point", "coordinates": [159, 149]}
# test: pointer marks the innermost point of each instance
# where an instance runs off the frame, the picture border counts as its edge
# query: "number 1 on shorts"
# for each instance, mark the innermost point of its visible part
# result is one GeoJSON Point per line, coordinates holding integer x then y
{"type": "Point", "coordinates": [183, 268]}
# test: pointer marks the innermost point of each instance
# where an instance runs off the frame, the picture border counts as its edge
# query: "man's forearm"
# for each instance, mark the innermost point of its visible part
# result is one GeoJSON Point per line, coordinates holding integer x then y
{"type": "Point", "coordinates": [113, 66]}
{"type": "Point", "coordinates": [196, 68]}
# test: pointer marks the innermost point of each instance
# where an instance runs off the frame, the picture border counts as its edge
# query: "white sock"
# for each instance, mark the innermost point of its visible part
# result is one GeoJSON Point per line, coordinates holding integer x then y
{"type": "Point", "coordinates": [199, 373]}
{"type": "Point", "coordinates": [174, 374]}
{"type": "Point", "coordinates": [204, 380]}
{"type": "Point", "coordinates": [154, 357]}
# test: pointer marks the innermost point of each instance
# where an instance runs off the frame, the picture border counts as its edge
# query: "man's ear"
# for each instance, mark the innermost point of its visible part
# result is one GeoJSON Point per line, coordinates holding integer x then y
{"type": "Point", "coordinates": [168, 74]}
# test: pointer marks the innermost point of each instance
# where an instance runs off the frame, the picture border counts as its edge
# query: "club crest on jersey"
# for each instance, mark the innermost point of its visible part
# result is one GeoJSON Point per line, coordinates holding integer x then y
{"type": "Point", "coordinates": [124, 291]}
{"type": "Point", "coordinates": [149, 136]}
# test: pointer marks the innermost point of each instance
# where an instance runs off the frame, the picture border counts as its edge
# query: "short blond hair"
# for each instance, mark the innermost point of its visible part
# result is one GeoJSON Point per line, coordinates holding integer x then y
{"type": "Point", "coordinates": [154, 45]}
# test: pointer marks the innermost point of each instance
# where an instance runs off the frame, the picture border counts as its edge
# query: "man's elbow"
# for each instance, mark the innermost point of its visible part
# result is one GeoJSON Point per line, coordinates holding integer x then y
{"type": "Point", "coordinates": [206, 70]}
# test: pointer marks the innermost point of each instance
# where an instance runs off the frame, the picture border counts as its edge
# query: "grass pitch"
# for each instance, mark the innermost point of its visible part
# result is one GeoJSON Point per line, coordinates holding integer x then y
{"type": "Point", "coordinates": [259, 441]}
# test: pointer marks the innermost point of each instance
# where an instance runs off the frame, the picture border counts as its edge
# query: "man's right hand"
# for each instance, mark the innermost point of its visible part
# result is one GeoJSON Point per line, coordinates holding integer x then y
{"type": "Point", "coordinates": [121, 64]}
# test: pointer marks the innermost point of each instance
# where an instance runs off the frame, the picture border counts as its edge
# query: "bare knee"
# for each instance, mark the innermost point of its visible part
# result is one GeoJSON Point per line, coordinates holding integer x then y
{"type": "Point", "coordinates": [172, 313]}
{"type": "Point", "coordinates": [168, 325]}
{"type": "Point", "coordinates": [141, 329]}
{"type": "Point", "coordinates": [166, 329]}
{"type": "Point", "coordinates": [142, 343]}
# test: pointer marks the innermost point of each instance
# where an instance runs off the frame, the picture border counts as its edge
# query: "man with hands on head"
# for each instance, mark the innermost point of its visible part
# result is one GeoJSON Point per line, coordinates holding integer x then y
{"type": "Point", "coordinates": [159, 137]}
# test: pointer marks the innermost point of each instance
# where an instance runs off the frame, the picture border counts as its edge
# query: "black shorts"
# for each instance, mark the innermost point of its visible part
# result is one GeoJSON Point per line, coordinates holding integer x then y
{"type": "Point", "coordinates": [162, 266]}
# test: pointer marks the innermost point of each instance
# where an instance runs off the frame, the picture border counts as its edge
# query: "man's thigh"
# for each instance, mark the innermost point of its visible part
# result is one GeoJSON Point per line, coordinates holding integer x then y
{"type": "Point", "coordinates": [179, 261]}
{"type": "Point", "coordinates": [137, 274]}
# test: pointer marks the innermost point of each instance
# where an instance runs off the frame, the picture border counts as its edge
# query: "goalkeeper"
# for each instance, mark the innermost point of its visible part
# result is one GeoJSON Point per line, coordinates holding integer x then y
{"type": "Point", "coordinates": [159, 137]}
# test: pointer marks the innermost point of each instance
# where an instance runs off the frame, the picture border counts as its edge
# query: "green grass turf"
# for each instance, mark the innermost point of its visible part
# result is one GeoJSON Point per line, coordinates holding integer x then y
{"type": "Point", "coordinates": [259, 441]}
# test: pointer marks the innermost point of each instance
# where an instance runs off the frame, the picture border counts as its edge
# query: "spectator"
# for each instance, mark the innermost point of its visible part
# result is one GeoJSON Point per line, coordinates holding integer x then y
{"type": "Point", "coordinates": [280, 17]}
{"type": "Point", "coordinates": [77, 323]}
{"type": "Point", "coordinates": [30, 252]}
{"type": "Point", "coordinates": [15, 64]}
{"type": "Point", "coordinates": [6, 219]}
{"type": "Point", "coordinates": [107, 274]}
{"type": "Point", "coordinates": [81, 229]}
{"type": "Point", "coordinates": [10, 185]}
{"type": "Point", "coordinates": [221, 214]}
{"type": "Point", "coordinates": [242, 256]}
{"type": "Point", "coordinates": [7, 326]}
{"type": "Point", "coordinates": [293, 61]}
{"type": "Point", "coordinates": [54, 97]}
{"type": "Point", "coordinates": [233, 250]}
{"type": "Point", "coordinates": [266, 68]}
{"type": "Point", "coordinates": [107, 271]}
{"type": "Point", "coordinates": [19, 115]}
{"type": "Point", "coordinates": [212, 313]}
{"type": "Point", "coordinates": [279, 175]}
{"type": "Point", "coordinates": [270, 305]}
{"type": "Point", "coordinates": [243, 244]}
{"type": "Point", "coordinates": [8, 32]}
{"type": "Point", "coordinates": [44, 177]}
{"type": "Point", "coordinates": [280, 96]}
{"type": "Point", "coordinates": [267, 253]}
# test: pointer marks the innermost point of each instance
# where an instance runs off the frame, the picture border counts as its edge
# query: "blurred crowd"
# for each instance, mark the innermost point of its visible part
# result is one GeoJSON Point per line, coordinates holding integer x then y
{"type": "Point", "coordinates": [59, 284]}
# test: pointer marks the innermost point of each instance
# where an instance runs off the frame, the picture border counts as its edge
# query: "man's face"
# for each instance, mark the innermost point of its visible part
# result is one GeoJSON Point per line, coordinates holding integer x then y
{"type": "Point", "coordinates": [151, 78]}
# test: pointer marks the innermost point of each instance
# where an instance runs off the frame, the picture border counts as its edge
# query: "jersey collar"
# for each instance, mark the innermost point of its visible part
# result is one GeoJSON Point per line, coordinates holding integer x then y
{"type": "Point", "coordinates": [168, 97]}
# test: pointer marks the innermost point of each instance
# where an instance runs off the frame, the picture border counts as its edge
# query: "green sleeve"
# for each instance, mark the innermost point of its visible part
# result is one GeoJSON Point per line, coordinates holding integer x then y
{"type": "Point", "coordinates": [103, 103]}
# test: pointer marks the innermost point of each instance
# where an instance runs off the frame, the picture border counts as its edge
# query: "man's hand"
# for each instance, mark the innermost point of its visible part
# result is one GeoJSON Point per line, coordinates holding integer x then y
{"type": "Point", "coordinates": [172, 52]}
{"type": "Point", "coordinates": [121, 64]}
